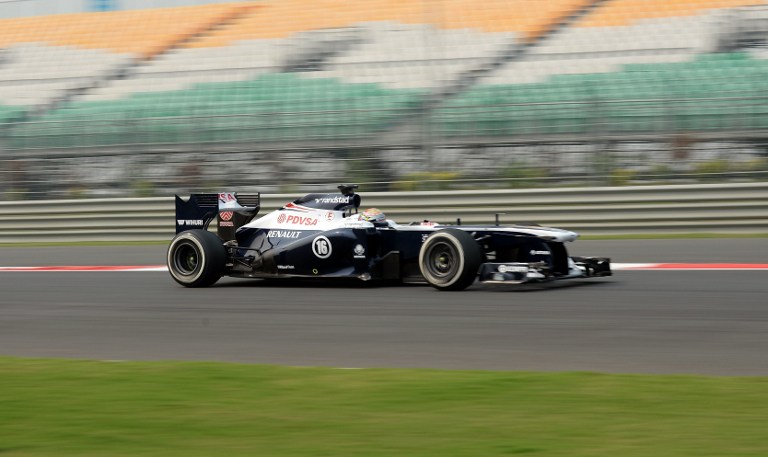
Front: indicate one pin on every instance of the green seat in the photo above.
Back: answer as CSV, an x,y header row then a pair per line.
x,y
712,92
278,106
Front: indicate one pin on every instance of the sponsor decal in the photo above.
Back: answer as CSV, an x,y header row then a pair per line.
x,y
321,247
196,222
226,217
338,199
297,207
534,252
424,237
512,269
296,220
329,216
283,234
286,267
349,223
359,251
226,197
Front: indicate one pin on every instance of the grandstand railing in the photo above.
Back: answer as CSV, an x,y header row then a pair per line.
x,y
718,208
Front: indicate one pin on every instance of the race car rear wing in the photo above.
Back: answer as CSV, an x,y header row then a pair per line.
x,y
230,209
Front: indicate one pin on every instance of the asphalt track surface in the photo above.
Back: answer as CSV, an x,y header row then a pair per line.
x,y
704,322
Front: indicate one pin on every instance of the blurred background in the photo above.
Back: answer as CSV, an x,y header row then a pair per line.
x,y
130,98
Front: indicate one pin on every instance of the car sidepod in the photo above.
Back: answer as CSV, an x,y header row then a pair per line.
x,y
343,252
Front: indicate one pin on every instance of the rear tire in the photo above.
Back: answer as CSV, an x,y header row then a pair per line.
x,y
196,258
449,259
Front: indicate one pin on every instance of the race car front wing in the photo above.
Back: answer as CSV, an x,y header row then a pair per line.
x,y
521,272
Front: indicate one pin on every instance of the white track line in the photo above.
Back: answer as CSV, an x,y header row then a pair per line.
x,y
690,266
84,268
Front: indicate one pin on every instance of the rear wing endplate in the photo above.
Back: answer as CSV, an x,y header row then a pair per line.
x,y
230,209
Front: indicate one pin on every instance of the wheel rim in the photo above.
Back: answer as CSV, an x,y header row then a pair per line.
x,y
441,260
186,259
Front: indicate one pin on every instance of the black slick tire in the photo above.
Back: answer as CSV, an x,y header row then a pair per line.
x,y
196,258
449,259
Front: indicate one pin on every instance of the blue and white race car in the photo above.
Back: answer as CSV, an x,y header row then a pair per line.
x,y
327,236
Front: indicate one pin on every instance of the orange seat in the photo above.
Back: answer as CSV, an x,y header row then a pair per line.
x,y
624,12
137,32
281,18
147,32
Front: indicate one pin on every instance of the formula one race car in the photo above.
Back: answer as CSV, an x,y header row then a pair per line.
x,y
325,236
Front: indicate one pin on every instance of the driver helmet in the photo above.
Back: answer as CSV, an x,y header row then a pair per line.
x,y
373,215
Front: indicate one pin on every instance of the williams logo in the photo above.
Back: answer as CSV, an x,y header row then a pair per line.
x,y
196,222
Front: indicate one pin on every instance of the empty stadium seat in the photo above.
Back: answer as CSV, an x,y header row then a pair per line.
x,y
714,91
626,12
277,106
48,57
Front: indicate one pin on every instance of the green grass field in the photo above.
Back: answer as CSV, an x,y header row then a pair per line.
x,y
89,408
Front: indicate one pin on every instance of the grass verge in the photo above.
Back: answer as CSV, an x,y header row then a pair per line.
x,y
90,408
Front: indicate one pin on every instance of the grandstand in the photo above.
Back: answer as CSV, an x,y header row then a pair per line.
x,y
381,76
628,67
285,70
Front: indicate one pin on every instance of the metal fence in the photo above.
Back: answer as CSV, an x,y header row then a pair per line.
x,y
144,171
715,208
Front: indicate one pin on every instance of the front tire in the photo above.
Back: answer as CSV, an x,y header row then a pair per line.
x,y
196,258
449,259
